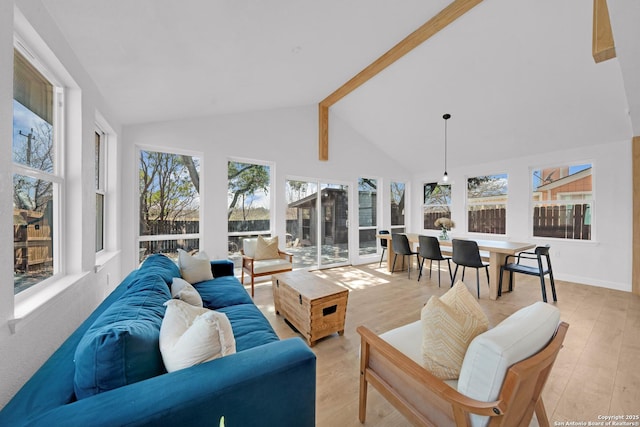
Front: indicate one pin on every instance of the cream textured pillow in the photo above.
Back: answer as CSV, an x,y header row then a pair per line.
x,y
183,290
447,332
191,335
267,248
194,269
462,300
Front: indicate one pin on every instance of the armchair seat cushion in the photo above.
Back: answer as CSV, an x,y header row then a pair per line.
x,y
266,266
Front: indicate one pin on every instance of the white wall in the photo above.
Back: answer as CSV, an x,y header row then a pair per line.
x,y
606,260
286,137
27,341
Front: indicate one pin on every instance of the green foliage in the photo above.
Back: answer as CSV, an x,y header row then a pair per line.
x,y
245,180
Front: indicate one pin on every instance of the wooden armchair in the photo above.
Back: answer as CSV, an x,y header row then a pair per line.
x,y
262,267
428,401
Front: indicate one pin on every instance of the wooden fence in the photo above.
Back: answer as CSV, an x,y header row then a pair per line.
x,y
565,222
490,221
32,241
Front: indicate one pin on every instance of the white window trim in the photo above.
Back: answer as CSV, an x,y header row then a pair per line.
x,y
426,206
158,237
469,204
57,177
378,205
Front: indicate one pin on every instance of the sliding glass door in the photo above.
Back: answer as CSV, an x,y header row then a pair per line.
x,y
317,227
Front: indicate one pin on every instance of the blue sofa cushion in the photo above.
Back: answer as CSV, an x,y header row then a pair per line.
x,y
222,292
122,346
161,265
250,327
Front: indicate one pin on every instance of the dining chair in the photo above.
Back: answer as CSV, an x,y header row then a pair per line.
x,y
533,270
467,254
430,249
383,243
400,245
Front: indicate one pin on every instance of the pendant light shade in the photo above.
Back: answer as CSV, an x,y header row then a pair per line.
x,y
445,176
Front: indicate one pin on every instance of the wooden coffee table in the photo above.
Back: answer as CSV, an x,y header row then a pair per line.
x,y
315,306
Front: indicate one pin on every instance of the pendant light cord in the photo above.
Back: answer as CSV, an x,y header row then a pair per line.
x,y
446,117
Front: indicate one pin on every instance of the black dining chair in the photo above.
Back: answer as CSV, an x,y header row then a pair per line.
x,y
467,254
400,245
383,243
533,270
430,249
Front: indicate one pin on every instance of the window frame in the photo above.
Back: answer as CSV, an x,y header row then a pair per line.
x,y
101,187
271,197
398,228
469,204
426,206
375,214
560,202
162,237
57,175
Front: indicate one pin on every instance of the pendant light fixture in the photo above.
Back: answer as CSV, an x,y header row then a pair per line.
x,y
445,177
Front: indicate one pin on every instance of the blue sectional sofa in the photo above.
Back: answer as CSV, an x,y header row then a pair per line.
x,y
109,372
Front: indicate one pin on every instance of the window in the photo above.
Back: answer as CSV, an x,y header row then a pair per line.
x,y
563,201
249,201
169,188
367,215
397,207
487,204
37,174
437,204
100,188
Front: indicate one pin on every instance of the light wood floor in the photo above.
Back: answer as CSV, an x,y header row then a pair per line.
x,y
596,373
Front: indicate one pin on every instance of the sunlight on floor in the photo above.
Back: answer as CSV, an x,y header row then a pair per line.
x,y
352,277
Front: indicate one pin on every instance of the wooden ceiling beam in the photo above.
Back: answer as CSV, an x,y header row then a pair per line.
x,y
603,44
445,17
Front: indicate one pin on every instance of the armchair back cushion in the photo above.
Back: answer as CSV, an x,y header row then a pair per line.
x,y
249,247
490,354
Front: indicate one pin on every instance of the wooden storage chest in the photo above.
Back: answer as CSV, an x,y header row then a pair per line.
x,y
315,306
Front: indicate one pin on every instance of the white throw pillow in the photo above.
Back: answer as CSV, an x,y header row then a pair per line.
x,y
183,290
194,269
191,335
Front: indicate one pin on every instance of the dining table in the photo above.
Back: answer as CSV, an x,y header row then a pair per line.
x,y
498,251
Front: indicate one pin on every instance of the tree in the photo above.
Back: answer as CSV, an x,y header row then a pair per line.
x,y
33,149
245,180
168,191
486,186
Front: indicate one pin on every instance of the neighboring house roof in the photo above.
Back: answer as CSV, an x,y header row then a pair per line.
x,y
565,180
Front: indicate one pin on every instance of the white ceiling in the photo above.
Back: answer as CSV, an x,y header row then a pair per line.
x,y
517,76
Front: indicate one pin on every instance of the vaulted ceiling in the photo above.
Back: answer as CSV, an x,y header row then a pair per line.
x,y
517,76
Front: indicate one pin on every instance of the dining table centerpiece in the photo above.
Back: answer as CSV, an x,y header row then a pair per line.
x,y
445,225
